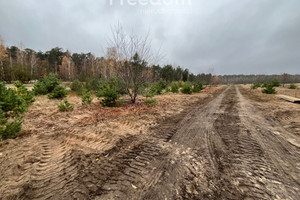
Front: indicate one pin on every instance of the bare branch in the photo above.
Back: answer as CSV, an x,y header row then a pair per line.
x,y
132,55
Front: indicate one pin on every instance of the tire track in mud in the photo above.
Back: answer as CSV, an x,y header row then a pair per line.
x,y
239,157
135,165
282,155
244,163
16,167
123,171
147,168
53,177
91,142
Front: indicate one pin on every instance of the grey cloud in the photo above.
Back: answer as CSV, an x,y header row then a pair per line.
x,y
230,37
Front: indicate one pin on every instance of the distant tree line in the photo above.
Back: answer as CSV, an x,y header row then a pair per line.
x,y
260,78
24,64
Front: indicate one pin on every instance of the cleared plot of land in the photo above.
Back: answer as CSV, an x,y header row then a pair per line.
x,y
46,158
229,144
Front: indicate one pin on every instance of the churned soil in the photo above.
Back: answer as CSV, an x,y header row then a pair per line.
x,y
229,143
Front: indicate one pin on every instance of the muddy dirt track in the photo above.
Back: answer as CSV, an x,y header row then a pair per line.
x,y
223,148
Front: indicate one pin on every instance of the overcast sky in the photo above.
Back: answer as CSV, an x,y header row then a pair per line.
x,y
219,36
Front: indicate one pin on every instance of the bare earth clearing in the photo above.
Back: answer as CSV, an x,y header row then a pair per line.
x,y
234,143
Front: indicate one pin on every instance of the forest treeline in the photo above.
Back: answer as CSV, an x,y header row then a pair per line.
x,y
261,78
24,64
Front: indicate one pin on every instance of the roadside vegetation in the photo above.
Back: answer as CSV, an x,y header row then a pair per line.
x,y
13,103
268,87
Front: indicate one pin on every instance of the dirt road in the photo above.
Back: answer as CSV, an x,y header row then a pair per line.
x,y
224,148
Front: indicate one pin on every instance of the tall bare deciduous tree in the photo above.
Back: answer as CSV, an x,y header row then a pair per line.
x,y
67,67
33,64
21,54
132,55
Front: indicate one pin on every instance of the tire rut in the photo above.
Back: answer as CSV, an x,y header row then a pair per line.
x,y
137,166
238,156
17,164
55,172
281,155
246,169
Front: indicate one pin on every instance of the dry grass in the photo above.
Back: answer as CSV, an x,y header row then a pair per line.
x,y
280,90
94,120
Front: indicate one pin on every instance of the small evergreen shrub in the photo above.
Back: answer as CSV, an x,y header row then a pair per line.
x,y
148,93
10,129
180,84
269,89
46,85
86,98
65,106
255,86
59,92
24,93
174,87
145,87
13,102
18,84
77,87
119,85
92,84
102,87
198,86
158,87
10,101
168,90
150,102
40,88
275,83
155,89
292,86
96,85
264,85
110,95
187,88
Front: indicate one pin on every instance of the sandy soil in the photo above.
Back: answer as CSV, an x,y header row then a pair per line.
x,y
234,143
44,161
